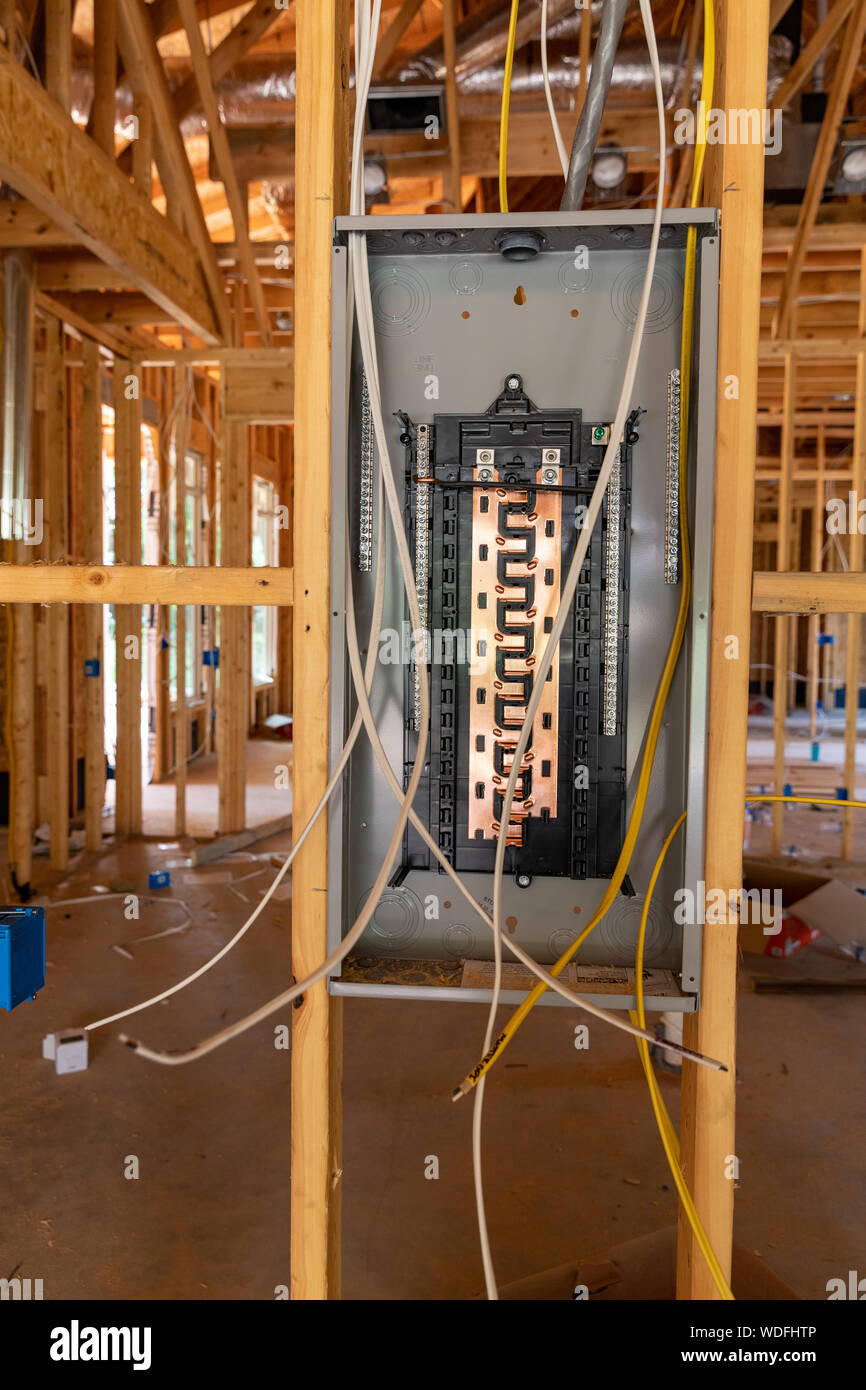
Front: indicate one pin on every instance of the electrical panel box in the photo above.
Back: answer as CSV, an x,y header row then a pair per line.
x,y
501,345
22,954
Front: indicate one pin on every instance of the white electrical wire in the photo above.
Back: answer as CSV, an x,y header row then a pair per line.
x,y
546,660
342,761
548,95
365,711
364,67
366,26
362,685
362,682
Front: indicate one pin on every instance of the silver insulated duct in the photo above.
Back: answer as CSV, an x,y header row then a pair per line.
x,y
17,391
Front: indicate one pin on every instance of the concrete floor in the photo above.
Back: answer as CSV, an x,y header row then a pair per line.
x,y
574,1164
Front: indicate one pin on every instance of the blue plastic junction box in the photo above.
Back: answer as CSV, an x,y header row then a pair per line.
x,y
22,954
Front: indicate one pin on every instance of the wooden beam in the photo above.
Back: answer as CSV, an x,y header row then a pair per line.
x,y
816,558
212,406
181,724
23,733
322,186
735,184
142,148
453,194
834,236
531,146
854,643
259,395
261,358
233,689
798,74
75,185
219,141
781,643
22,225
770,349
147,74
104,74
127,616
226,585
58,50
94,756
778,10
78,271
121,307
116,342
846,66
285,445
7,23
268,152
807,592
390,40
55,547
248,30
162,759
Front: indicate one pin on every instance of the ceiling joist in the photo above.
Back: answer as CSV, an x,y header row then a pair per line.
x,y
219,141
74,185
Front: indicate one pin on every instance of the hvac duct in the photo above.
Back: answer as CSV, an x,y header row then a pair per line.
x,y
17,390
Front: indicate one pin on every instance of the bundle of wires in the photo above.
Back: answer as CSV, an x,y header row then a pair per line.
x,y
359,290
367,20
635,820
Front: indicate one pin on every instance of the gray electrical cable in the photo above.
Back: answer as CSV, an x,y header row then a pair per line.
x,y
361,679
364,70
589,124
336,776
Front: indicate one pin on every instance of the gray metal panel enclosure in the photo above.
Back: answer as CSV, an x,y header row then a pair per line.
x,y
455,316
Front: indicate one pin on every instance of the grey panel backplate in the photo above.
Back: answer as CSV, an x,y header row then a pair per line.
x,y
446,305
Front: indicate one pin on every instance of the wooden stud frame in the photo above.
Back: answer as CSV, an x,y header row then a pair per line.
x,y
735,175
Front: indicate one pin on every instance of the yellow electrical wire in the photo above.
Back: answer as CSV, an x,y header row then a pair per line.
x,y
501,1042
811,800
669,1139
667,1132
503,114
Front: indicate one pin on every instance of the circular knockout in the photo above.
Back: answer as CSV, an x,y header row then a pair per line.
x,y
466,277
458,940
560,941
397,920
401,299
619,930
574,277
665,296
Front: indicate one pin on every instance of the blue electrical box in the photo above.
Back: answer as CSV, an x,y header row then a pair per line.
x,y
22,954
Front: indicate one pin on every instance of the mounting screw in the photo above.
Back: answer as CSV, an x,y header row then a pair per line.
x,y
485,455
548,475
551,456
523,880
485,475
513,383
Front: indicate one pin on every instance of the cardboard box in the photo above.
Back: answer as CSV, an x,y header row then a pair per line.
x,y
813,904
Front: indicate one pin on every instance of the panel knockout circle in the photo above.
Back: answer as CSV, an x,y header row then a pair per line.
x,y
620,928
458,940
397,920
401,299
665,301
